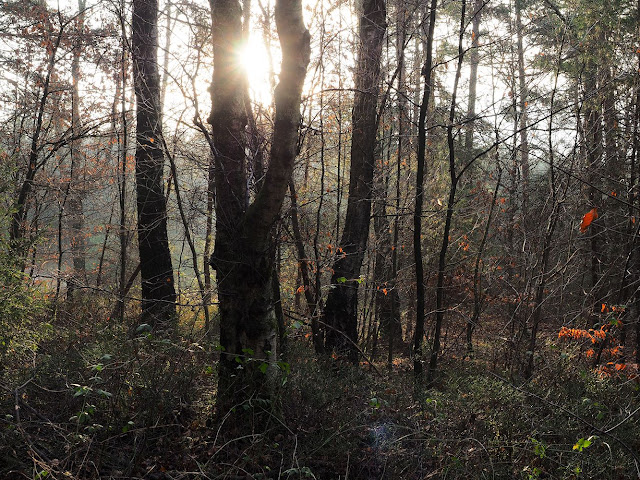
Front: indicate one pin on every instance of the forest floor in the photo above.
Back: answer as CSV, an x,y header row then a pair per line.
x,y
88,401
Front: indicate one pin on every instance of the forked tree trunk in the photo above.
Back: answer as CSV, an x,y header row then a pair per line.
x,y
158,291
342,303
244,254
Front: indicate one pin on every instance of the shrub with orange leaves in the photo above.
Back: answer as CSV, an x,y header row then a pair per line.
x,y
611,369
597,336
578,333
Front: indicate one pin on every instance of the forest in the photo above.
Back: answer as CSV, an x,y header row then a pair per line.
x,y
319,239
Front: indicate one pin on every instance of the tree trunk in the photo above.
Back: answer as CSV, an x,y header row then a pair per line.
x,y
342,303
158,291
386,295
418,357
244,254
473,75
454,178
310,294
18,227
593,140
523,103
76,189
122,147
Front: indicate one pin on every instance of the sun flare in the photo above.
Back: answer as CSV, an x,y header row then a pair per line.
x,y
255,60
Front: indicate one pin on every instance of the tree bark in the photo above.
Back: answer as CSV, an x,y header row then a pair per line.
x,y
310,294
473,75
418,357
523,103
340,313
244,254
158,291
76,189
386,295
593,143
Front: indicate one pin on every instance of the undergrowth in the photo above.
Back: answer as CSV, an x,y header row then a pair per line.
x,y
93,401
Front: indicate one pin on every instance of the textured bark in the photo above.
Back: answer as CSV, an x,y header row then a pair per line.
x,y
158,291
342,303
244,254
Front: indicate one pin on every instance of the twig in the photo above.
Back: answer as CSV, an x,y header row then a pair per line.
x,y
288,313
626,447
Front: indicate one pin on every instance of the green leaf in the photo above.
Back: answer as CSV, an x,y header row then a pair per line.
x,y
341,280
104,393
127,427
144,327
80,390
263,367
583,443
285,367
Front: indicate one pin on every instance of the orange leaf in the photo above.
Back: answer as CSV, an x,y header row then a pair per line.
x,y
384,290
300,289
589,217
